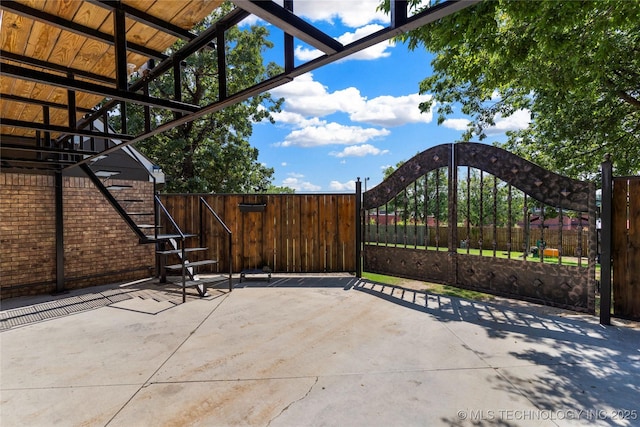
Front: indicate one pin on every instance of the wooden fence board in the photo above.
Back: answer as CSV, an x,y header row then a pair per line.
x,y
269,235
346,227
326,224
619,243
626,247
633,250
294,233
308,212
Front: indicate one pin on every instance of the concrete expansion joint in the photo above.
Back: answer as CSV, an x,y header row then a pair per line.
x,y
294,402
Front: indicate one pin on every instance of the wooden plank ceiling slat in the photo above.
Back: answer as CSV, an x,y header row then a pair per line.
x,y
41,40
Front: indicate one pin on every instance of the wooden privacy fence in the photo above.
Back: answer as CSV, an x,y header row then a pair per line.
x,y
516,239
286,232
626,247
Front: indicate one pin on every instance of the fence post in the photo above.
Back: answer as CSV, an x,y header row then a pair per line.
x,y
452,218
358,228
606,232
59,197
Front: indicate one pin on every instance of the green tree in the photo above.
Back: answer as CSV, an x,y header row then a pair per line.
x,y
213,154
276,189
425,197
574,64
483,199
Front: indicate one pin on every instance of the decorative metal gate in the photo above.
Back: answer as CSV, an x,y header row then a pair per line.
x,y
478,217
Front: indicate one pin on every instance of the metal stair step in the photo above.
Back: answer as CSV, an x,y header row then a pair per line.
x,y
191,264
173,236
164,237
139,213
132,200
106,173
147,226
178,251
119,187
206,281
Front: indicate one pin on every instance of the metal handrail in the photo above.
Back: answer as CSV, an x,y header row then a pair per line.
x,y
204,203
155,186
182,239
173,223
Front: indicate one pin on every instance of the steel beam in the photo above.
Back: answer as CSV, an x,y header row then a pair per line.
x,y
120,39
56,67
149,20
229,20
63,129
398,12
291,24
65,24
31,148
100,90
25,100
38,162
423,18
289,57
222,67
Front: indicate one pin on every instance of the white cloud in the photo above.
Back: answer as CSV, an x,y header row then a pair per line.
x,y
456,124
342,186
518,120
353,14
295,119
380,50
306,54
359,151
306,97
393,110
331,133
296,182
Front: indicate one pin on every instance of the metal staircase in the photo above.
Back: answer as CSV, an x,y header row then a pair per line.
x,y
177,251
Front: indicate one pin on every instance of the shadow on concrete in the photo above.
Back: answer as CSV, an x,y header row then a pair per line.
x,y
580,370
144,296
307,281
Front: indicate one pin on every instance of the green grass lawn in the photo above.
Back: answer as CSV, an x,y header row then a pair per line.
x,y
433,288
506,255
444,290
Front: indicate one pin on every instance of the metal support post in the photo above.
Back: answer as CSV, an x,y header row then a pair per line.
x,y
358,220
605,255
59,234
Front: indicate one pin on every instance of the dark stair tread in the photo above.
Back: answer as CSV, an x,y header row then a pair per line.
x,y
132,200
106,173
139,213
206,281
174,236
147,226
191,264
178,251
164,237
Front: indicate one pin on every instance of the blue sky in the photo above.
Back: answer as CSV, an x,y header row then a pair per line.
x,y
356,117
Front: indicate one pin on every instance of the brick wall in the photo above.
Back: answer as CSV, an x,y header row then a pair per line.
x,y
99,247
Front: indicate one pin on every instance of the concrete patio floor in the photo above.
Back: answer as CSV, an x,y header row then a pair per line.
x,y
309,351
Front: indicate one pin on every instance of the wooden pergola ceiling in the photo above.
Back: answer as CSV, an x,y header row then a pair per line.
x,y
61,59
77,38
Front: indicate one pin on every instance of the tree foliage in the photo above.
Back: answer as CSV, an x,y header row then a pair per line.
x,y
482,199
575,65
213,154
424,198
